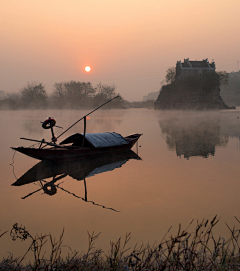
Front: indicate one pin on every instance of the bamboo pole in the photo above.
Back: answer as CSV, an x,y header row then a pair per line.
x,y
85,116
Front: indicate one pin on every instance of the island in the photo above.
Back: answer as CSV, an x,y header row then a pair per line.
x,y
193,85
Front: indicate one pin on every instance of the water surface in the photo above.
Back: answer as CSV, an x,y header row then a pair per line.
x,y
189,170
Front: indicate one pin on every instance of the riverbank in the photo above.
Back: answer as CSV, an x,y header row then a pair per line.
x,y
188,249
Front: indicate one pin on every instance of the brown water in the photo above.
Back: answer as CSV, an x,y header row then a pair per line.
x,y
189,170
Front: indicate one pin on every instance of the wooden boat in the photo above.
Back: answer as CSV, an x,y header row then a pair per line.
x,y
77,146
73,147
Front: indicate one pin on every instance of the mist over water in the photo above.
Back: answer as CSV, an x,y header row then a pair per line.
x,y
189,170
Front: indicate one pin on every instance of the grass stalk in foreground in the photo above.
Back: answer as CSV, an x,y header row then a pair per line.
x,y
186,250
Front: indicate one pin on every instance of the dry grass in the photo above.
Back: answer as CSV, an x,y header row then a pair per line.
x,y
187,250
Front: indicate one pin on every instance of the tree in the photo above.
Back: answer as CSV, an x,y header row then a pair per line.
x,y
170,76
11,101
78,93
73,94
105,93
213,79
58,97
34,96
223,78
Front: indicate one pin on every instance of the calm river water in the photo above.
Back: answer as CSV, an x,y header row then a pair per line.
x,y
189,170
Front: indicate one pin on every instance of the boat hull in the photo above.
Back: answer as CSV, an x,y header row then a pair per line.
x,y
66,154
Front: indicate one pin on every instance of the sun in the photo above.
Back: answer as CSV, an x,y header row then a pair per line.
x,y
87,69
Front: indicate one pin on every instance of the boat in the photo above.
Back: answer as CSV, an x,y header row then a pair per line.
x,y
79,145
95,144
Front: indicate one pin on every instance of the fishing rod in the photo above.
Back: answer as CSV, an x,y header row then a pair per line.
x,y
85,116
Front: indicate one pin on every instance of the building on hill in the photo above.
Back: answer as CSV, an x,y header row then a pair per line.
x,y
197,87
190,68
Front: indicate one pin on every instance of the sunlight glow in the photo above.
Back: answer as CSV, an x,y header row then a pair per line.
x,y
87,69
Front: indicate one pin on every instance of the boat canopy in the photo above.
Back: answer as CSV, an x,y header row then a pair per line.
x,y
96,140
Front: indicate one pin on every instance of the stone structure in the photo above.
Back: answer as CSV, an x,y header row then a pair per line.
x,y
190,68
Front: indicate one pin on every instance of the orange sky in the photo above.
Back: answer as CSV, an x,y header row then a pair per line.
x,y
127,43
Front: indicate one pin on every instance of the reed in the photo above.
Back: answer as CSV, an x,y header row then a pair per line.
x,y
186,250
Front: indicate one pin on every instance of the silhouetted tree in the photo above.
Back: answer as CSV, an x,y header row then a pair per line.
x,y
223,78
11,101
170,76
59,96
213,79
34,96
105,93
73,94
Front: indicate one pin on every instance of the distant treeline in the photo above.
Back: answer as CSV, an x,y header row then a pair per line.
x,y
65,95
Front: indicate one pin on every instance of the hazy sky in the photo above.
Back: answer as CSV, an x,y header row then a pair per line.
x,y
129,43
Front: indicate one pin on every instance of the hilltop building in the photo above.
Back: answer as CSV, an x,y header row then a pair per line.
x,y
190,68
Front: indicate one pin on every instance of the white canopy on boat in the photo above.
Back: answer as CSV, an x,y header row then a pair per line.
x,y
97,140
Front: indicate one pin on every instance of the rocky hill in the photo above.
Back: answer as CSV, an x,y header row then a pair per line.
x,y
193,93
231,92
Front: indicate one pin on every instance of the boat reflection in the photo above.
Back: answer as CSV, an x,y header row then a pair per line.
x,y
193,135
78,170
